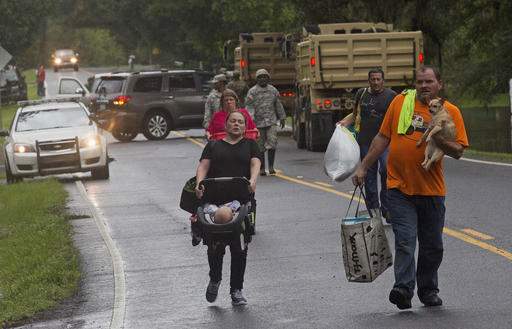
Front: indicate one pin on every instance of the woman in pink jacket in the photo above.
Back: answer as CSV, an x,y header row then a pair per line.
x,y
229,102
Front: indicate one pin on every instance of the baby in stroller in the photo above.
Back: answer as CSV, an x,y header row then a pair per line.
x,y
221,220
223,214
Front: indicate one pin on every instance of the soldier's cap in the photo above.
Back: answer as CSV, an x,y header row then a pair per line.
x,y
262,72
219,78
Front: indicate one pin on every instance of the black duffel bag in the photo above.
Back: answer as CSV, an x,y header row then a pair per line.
x,y
189,201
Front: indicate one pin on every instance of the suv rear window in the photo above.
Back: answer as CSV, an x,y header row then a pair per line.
x,y
148,84
182,81
112,86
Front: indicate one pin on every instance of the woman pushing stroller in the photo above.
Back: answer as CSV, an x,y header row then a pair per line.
x,y
232,156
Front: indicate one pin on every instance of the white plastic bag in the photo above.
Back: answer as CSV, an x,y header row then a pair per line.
x,y
342,154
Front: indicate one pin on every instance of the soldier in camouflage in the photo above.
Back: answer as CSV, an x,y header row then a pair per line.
x,y
212,104
239,87
263,104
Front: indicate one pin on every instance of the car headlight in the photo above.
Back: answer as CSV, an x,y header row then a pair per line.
x,y
24,148
58,60
74,60
93,141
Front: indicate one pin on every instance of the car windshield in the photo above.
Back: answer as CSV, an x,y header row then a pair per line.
x,y
52,118
65,52
111,85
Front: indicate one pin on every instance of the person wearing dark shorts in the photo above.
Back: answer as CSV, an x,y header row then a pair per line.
x,y
233,156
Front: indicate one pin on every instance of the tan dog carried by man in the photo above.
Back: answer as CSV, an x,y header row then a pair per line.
x,y
441,123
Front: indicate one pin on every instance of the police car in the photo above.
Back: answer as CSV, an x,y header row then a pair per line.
x,y
54,136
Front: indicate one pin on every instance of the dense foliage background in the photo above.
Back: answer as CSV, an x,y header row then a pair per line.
x,y
470,40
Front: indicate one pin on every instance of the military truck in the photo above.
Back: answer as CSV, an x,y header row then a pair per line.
x,y
268,51
332,62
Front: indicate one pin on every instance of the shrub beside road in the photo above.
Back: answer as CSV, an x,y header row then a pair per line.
x,y
38,265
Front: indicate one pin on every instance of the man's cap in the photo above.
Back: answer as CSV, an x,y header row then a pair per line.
x,y
262,72
219,78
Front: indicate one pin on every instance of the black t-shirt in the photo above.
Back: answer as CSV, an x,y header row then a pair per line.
x,y
373,109
230,160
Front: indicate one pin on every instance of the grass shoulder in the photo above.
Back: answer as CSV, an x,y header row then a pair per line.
x,y
39,266
499,100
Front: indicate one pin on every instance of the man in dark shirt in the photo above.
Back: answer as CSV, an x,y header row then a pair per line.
x,y
371,106
233,156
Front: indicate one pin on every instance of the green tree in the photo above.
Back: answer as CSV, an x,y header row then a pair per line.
x,y
23,22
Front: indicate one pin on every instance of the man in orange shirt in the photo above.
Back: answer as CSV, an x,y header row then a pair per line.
x,y
415,195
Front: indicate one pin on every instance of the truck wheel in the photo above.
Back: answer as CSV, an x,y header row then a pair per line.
x,y
124,136
310,141
301,136
75,68
102,172
157,125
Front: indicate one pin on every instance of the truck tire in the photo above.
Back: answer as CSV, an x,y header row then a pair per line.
x,y
157,125
298,131
124,136
301,136
311,135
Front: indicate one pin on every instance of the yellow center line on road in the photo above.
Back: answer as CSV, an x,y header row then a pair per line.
x,y
193,140
476,234
318,187
483,245
448,231
323,184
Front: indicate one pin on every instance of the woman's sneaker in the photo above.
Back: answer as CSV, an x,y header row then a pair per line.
x,y
237,298
212,291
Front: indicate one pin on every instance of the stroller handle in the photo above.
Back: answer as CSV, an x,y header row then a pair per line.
x,y
224,179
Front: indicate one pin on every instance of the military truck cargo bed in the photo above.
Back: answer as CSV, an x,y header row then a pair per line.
x,y
263,51
343,60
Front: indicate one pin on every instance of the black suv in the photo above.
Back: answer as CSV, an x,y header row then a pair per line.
x,y
149,102
13,87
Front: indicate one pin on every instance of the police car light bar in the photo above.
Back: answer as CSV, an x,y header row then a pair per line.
x,y
75,99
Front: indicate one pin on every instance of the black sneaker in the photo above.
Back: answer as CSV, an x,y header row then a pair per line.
x,y
271,171
431,299
263,172
212,291
400,298
237,298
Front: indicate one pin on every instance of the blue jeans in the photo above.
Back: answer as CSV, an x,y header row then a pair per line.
x,y
421,218
370,182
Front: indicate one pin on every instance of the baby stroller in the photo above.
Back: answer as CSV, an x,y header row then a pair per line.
x,y
219,191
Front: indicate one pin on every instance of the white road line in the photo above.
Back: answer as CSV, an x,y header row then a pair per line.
x,y
488,162
119,309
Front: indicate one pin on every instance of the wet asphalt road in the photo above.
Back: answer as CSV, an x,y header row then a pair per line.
x,y
294,276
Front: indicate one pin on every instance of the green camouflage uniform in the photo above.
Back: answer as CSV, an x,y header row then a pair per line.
x,y
266,109
211,106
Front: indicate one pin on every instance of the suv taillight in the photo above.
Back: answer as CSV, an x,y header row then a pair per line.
x,y
121,100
